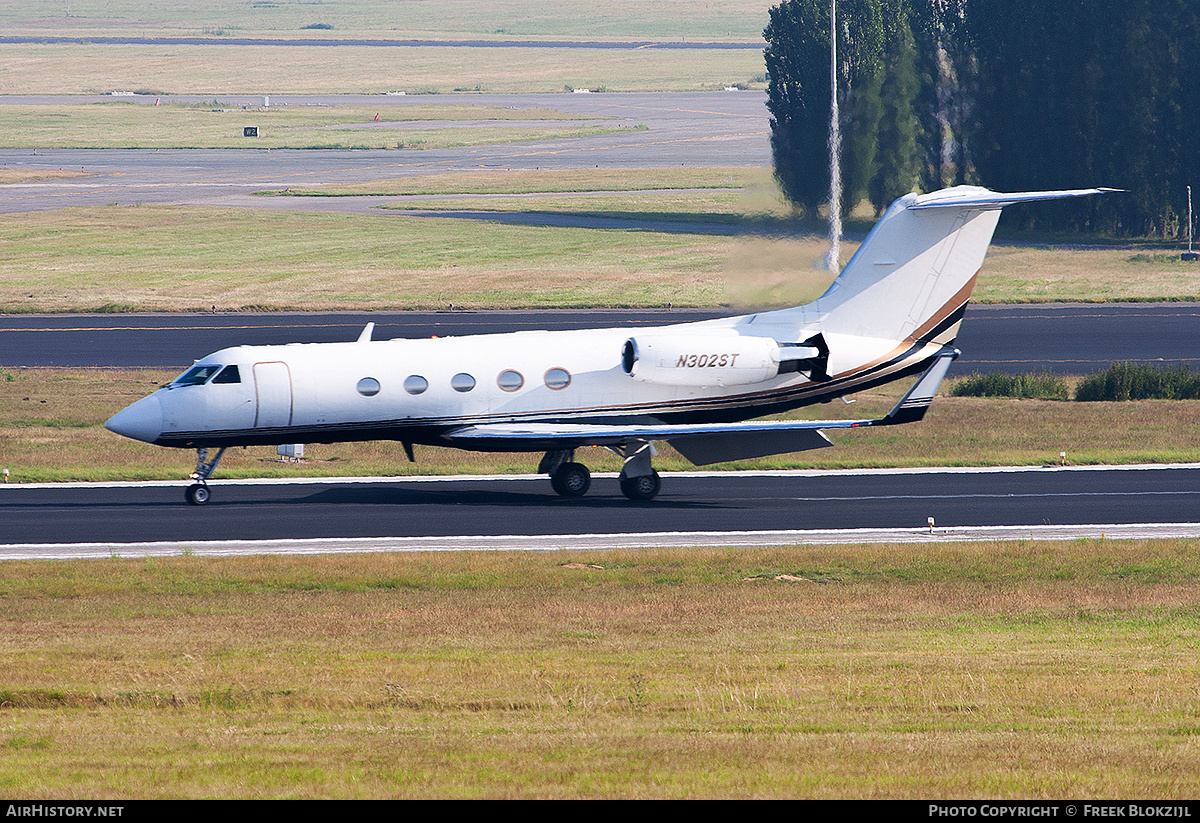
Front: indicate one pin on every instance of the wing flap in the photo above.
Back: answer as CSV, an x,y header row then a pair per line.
x,y
704,449
534,436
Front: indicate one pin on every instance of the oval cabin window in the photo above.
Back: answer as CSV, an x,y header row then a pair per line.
x,y
368,387
510,380
462,382
415,384
558,378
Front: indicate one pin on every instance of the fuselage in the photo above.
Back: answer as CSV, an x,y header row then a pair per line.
x,y
414,390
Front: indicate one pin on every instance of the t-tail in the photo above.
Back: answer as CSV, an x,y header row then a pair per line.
x,y
912,276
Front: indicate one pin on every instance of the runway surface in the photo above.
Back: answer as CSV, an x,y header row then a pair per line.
x,y
1063,338
693,508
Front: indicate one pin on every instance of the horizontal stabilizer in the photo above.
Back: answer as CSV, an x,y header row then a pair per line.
x,y
976,197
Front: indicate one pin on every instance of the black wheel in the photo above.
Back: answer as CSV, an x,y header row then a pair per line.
x,y
643,487
196,494
571,479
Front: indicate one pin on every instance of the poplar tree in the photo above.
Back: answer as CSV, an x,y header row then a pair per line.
x,y
798,95
898,159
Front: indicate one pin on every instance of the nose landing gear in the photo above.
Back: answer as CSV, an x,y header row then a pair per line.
x,y
197,493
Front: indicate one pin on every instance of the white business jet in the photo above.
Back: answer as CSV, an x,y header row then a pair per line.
x,y
893,311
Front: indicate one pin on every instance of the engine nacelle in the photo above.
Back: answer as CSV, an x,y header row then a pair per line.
x,y
701,359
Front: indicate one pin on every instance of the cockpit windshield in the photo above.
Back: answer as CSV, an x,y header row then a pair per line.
x,y
196,375
201,374
229,374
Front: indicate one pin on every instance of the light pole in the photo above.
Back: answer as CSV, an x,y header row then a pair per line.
x,y
1189,255
833,261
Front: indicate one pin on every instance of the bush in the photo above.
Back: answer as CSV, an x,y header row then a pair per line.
x,y
1138,381
1041,386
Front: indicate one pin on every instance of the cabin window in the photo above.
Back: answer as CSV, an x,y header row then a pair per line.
x,y
510,380
197,375
415,384
558,378
462,382
229,374
368,387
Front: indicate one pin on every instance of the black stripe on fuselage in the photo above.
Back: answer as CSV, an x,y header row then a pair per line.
x,y
701,410
429,432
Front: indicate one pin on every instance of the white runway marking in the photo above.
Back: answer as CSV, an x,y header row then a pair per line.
x,y
591,542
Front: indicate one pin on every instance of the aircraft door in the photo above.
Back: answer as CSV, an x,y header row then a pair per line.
x,y
273,390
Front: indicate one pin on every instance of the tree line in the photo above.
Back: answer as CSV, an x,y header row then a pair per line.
x,y
1014,95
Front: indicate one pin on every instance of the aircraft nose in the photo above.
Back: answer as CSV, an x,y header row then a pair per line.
x,y
140,421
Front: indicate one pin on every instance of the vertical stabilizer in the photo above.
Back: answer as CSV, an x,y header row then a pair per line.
x,y
914,273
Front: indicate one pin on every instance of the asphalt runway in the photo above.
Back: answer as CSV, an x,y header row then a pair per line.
x,y
729,503
1062,338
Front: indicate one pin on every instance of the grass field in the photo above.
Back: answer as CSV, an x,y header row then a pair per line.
x,y
170,258
216,69
88,67
193,258
209,126
734,20
1012,670
51,429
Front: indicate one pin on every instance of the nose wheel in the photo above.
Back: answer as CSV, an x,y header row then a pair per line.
x,y
197,493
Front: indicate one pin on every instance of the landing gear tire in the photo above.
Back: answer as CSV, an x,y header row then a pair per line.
x,y
642,487
571,480
196,494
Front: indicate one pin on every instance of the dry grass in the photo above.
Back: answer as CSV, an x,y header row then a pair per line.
x,y
457,19
1018,274
9,176
970,670
543,181
222,69
191,126
51,429
175,258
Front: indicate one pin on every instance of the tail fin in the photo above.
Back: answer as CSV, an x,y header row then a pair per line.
x,y
913,274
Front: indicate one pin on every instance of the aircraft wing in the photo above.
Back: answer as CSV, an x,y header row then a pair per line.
x,y
702,443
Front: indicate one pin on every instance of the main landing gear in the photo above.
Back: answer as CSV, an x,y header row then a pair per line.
x,y
639,480
197,493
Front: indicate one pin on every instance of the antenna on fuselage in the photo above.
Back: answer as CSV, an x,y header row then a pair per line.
x,y
365,337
